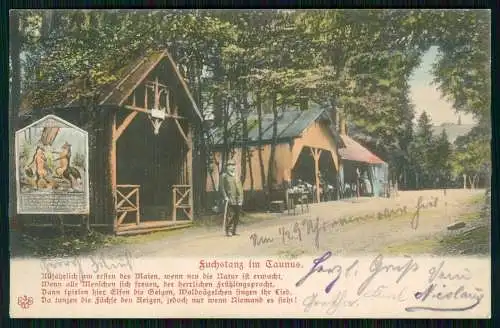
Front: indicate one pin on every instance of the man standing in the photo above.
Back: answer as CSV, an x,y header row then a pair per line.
x,y
232,192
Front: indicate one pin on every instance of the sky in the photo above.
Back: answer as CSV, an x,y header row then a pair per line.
x,y
426,96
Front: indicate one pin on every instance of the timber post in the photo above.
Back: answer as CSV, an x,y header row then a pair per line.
x,y
112,164
174,206
316,153
112,167
189,160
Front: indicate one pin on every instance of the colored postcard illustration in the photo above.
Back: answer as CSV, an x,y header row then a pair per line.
x,y
51,168
250,163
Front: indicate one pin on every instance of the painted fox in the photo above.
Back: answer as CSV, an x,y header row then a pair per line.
x,y
64,169
40,163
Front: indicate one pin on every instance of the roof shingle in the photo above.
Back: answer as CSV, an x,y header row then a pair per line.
x,y
290,124
354,151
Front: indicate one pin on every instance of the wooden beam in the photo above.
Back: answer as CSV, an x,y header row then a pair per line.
x,y
113,152
174,208
190,171
126,198
157,92
183,195
137,231
138,212
186,139
147,111
174,116
138,109
146,73
112,165
136,67
183,83
121,218
167,102
126,122
316,154
154,83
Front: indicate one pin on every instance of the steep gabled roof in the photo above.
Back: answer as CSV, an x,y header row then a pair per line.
x,y
354,151
129,77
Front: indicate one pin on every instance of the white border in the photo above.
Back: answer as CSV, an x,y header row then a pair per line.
x,y
18,186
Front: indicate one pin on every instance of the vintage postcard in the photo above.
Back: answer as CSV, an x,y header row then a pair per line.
x,y
250,163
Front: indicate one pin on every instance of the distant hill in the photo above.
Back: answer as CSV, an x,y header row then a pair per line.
x,y
452,130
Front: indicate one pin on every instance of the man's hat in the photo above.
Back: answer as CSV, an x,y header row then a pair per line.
x,y
231,162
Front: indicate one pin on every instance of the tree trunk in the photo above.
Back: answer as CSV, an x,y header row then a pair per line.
x,y
271,165
342,125
316,153
333,113
250,170
244,146
474,181
225,135
218,108
259,142
333,118
15,99
199,148
47,24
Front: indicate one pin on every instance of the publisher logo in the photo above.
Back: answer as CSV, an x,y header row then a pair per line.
x,y
25,301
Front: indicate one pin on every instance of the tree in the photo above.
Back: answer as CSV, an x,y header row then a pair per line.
x,y
420,152
472,157
441,160
462,71
363,67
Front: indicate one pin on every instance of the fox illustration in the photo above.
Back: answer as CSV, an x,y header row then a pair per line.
x,y
40,163
64,169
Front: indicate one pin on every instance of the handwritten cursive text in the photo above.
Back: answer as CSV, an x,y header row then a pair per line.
x,y
445,294
377,266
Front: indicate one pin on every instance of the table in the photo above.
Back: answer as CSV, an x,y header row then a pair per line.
x,y
297,197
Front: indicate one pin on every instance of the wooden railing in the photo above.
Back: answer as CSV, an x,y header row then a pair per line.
x,y
182,199
124,203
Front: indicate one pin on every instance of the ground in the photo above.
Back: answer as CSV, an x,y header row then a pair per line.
x,y
395,233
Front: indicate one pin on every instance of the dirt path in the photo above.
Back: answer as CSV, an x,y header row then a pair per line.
x,y
362,237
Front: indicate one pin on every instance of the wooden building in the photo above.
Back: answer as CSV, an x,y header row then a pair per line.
x,y
306,145
356,158
140,131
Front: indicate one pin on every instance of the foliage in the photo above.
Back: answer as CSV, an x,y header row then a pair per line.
x,y
430,156
356,63
472,155
420,150
462,71
71,244
441,154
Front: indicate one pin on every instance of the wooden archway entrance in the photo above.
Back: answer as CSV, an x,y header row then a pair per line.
x,y
152,170
314,165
